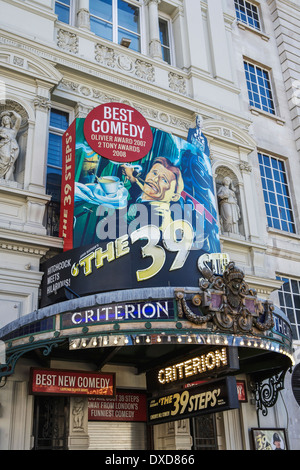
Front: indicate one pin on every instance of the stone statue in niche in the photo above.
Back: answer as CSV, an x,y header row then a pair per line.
x,y
229,208
10,122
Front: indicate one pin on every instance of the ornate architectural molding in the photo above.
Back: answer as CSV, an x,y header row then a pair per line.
x,y
225,303
102,97
245,167
110,57
27,61
177,83
40,102
67,41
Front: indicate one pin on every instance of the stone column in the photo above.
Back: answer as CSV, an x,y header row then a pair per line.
x,y
83,15
219,45
195,34
78,425
38,157
154,43
173,436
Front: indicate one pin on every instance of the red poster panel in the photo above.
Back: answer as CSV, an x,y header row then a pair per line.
x,y
118,132
126,406
67,186
69,382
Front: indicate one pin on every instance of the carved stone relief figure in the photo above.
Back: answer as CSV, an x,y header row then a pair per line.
x,y
78,414
10,122
230,213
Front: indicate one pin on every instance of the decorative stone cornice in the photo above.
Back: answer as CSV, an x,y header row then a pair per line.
x,y
102,97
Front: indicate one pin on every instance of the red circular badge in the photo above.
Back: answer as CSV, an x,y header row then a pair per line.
x,y
118,132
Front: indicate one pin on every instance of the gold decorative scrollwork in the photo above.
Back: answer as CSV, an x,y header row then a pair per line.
x,y
226,302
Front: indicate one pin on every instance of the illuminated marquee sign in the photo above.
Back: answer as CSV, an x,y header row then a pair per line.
x,y
139,311
192,367
211,397
63,382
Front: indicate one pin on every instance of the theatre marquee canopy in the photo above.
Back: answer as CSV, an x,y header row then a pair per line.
x,y
141,328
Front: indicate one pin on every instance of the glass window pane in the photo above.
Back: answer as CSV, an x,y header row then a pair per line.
x,y
59,119
102,9
166,55
295,287
128,16
274,163
54,184
163,32
270,185
296,301
278,188
286,286
272,198
135,40
62,10
274,211
290,314
101,28
55,150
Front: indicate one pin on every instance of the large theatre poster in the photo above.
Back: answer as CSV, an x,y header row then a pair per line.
x,y
140,216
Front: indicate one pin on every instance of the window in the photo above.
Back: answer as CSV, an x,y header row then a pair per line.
x,y
259,88
165,40
204,432
276,193
247,13
117,20
59,122
63,10
289,299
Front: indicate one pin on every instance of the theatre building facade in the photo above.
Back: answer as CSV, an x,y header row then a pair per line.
x,y
149,225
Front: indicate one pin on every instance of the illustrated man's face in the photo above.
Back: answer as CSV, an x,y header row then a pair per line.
x,y
160,184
